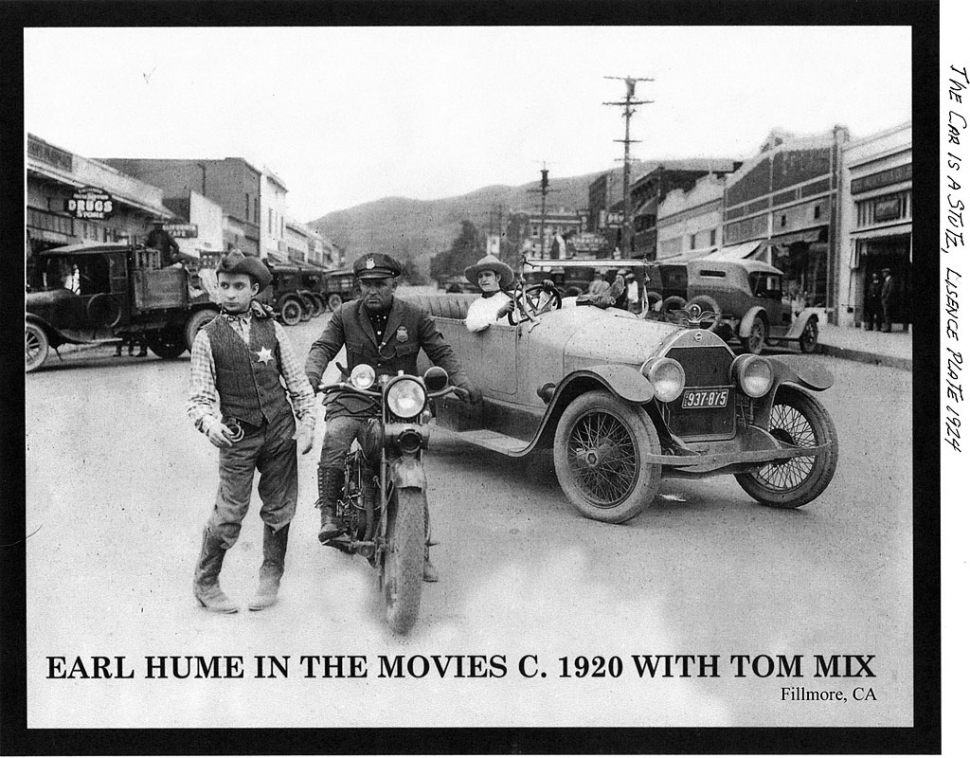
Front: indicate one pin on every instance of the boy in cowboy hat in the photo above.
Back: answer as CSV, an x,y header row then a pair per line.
x,y
386,333
238,402
492,277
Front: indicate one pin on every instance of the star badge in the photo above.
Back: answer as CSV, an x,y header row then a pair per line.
x,y
265,355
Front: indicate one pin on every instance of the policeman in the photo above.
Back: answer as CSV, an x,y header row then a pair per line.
x,y
386,333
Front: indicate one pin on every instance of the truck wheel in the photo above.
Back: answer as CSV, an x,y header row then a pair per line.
x,y
598,453
334,302
36,347
403,566
196,321
291,313
167,343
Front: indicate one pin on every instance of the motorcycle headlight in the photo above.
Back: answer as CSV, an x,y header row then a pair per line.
x,y
406,398
754,374
667,377
362,376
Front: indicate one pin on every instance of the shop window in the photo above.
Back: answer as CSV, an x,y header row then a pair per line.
x,y
783,221
818,211
713,240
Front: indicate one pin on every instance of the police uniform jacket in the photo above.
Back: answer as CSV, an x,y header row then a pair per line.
x,y
409,329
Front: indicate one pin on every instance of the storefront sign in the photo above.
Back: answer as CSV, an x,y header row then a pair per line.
x,y
53,156
882,179
181,231
90,203
614,219
887,209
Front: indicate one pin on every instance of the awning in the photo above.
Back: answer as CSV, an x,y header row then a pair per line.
x,y
738,252
688,255
808,236
896,230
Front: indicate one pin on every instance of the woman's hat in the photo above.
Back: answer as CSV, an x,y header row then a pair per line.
x,y
490,263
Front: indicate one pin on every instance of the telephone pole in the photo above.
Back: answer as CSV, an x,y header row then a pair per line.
x,y
543,190
628,102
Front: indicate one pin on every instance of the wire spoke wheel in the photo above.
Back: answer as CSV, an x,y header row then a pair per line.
x,y
598,453
36,347
798,419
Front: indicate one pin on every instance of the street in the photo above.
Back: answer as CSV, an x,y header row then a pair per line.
x,y
120,484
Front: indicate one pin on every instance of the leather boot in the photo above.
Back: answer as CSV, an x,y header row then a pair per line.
x,y
430,573
330,482
205,584
270,572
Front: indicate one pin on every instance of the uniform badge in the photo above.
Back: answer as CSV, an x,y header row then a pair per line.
x,y
265,355
402,334
369,263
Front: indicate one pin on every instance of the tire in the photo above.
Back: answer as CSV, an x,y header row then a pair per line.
x,y
573,292
808,341
653,301
755,342
104,310
796,417
308,308
167,343
195,322
403,564
671,304
707,304
334,301
291,312
598,452
319,306
36,347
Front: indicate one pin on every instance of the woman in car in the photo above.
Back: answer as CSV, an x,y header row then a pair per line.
x,y
492,277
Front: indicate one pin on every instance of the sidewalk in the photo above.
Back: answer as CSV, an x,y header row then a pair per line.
x,y
893,349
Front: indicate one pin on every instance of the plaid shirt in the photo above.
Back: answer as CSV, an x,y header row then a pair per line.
x,y
203,407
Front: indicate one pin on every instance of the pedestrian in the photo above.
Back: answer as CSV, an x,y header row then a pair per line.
x,y
632,293
890,289
598,287
238,401
386,333
872,304
493,278
132,341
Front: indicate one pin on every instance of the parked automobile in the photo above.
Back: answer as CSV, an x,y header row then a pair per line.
x,y
623,402
287,294
311,280
339,286
81,294
458,284
743,300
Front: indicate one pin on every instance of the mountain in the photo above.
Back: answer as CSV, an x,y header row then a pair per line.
x,y
404,227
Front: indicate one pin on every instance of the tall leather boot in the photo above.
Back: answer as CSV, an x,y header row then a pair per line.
x,y
430,573
271,570
330,481
205,584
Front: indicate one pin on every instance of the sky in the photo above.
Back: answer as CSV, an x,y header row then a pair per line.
x,y
349,115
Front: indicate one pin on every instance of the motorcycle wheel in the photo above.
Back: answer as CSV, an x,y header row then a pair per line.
x,y
401,574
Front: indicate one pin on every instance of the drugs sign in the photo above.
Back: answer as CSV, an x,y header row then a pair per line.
x,y
90,203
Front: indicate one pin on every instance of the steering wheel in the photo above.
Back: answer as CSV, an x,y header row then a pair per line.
x,y
529,301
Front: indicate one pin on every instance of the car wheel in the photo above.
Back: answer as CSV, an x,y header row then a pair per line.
x,y
797,418
573,292
308,307
167,343
710,314
754,343
104,310
334,301
598,454
671,304
653,300
319,306
196,321
808,342
292,312
36,347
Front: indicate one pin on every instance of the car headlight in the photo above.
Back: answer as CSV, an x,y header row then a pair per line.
x,y
667,377
362,376
754,374
406,398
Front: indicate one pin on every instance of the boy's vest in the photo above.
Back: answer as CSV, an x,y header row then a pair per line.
x,y
249,388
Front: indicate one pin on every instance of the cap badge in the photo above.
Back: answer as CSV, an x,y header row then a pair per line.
x,y
369,263
402,334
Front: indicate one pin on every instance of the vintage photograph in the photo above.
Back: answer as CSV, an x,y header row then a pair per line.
x,y
470,376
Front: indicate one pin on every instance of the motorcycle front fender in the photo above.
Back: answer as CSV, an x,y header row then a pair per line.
x,y
408,471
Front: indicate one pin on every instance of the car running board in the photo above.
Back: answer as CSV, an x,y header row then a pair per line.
x,y
500,443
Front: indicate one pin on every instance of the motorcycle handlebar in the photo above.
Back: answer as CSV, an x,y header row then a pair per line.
x,y
325,388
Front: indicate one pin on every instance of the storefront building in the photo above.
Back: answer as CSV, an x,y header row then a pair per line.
x,y
273,237
76,200
785,199
877,213
689,223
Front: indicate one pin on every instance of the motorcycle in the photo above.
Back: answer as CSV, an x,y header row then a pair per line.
x,y
383,507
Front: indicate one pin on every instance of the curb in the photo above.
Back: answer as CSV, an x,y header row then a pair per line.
x,y
862,356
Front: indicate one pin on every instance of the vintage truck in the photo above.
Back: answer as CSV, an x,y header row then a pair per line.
x,y
91,294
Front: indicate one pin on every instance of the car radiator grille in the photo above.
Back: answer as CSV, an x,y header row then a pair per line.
x,y
703,367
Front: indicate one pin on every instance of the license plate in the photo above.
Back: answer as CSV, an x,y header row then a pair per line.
x,y
708,398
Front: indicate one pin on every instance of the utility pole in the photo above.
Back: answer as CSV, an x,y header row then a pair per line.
x,y
628,102
543,190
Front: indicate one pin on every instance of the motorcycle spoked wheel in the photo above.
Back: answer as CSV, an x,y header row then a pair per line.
x,y
402,566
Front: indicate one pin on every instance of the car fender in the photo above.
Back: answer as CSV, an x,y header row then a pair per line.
x,y
799,324
408,471
744,330
625,382
55,336
811,375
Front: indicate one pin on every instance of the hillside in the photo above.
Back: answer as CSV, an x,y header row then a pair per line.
x,y
420,228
